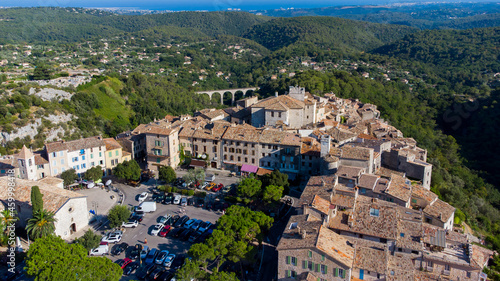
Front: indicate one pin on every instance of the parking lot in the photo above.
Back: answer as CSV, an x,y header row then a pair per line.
x,y
138,235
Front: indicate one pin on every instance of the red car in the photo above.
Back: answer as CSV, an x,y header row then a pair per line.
x,y
165,230
123,263
218,187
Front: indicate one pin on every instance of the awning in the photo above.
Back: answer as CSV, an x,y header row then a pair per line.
x,y
197,163
263,171
249,168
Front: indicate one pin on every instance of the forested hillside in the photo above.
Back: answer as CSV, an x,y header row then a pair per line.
x,y
423,16
327,32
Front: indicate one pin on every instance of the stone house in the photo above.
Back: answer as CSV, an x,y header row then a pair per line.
x,y
113,155
70,208
308,248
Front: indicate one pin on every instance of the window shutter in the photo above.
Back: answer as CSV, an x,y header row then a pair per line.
x,y
326,269
304,264
336,273
317,267
287,273
287,259
343,273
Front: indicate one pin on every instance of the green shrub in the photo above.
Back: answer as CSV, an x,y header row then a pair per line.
x,y
184,192
174,189
168,189
200,194
190,192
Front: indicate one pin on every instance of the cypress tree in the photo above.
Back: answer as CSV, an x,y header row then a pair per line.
x,y
36,199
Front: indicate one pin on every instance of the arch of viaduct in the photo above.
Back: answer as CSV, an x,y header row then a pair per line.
x,y
232,91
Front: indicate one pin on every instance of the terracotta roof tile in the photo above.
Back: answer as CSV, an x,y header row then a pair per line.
x,y
370,259
440,210
283,99
74,145
53,197
111,144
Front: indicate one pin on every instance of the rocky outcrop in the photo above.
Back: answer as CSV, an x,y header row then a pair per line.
x,y
49,94
31,129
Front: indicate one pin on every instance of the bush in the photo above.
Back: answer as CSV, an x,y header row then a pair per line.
x,y
184,192
174,189
231,199
168,189
190,192
161,188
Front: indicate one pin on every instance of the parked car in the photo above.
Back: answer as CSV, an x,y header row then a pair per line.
x,y
130,223
164,231
135,251
209,177
194,236
174,219
123,263
144,252
156,273
189,223
160,258
184,201
165,219
174,232
177,199
166,276
145,270
191,201
136,217
178,261
204,185
112,238
150,258
130,268
200,202
159,198
143,196
226,189
181,221
168,198
156,229
179,233
204,226
210,186
119,248
218,187
196,225
185,234
168,260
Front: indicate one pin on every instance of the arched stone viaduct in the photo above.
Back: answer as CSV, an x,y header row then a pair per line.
x,y
232,91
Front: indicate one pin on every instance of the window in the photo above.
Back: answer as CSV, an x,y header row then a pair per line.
x,y
100,162
84,166
91,156
100,154
225,157
322,257
253,161
55,171
109,154
61,153
324,269
402,234
239,158
83,157
291,260
246,159
92,164
62,161
310,254
279,114
82,151
469,275
414,201
37,166
374,212
77,167
158,160
75,159
447,267
272,113
290,273
54,154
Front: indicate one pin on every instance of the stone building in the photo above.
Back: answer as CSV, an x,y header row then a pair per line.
x,y
70,208
114,154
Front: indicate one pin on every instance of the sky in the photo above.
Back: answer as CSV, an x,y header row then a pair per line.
x,y
211,5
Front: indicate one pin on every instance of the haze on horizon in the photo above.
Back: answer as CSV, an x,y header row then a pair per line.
x,y
210,5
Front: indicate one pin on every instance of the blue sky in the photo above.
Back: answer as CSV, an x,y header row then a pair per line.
x,y
197,4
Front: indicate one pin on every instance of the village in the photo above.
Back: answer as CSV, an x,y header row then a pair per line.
x,y
363,211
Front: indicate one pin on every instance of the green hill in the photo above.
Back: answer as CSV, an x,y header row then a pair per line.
x,y
328,32
74,24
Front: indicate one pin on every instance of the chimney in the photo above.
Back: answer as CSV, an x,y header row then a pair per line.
x,y
304,234
298,229
276,93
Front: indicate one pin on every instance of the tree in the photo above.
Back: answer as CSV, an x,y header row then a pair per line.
x,y
69,176
36,200
195,175
94,174
41,225
50,258
167,174
117,215
223,276
272,193
249,187
89,240
41,72
276,178
128,170
190,270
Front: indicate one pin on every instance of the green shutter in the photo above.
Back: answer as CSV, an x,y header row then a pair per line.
x,y
336,273
287,273
317,267
326,269
343,273
287,259
322,257
304,264
310,254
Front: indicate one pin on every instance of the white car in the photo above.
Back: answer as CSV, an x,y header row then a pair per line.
x,y
205,184
112,238
156,229
143,196
99,251
132,223
177,199
168,260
